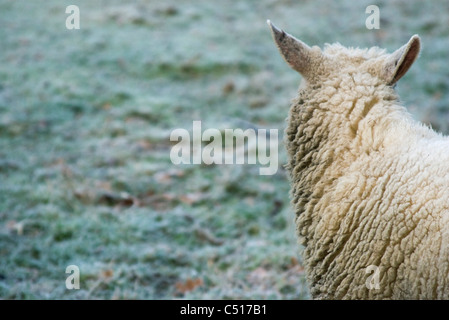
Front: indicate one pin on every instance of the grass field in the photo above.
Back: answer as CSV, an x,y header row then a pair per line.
x,y
85,120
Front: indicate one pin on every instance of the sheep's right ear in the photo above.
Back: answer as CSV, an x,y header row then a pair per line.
x,y
295,52
401,60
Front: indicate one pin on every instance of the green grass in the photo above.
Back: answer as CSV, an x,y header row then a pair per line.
x,y
85,121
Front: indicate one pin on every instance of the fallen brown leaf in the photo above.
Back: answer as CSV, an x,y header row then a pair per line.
x,y
106,274
206,235
191,198
188,285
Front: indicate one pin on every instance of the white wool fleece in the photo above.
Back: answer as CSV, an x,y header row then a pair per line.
x,y
369,185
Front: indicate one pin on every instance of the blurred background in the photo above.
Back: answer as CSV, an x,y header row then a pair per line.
x,y
85,120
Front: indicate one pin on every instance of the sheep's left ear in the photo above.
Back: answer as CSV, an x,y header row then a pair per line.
x,y
401,60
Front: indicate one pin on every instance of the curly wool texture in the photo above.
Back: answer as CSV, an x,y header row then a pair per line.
x,y
369,184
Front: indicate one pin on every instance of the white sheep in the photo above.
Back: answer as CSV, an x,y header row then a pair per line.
x,y
369,185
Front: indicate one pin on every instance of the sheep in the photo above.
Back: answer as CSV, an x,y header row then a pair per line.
x,y
369,184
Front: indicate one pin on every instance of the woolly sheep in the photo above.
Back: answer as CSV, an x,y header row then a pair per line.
x,y
369,185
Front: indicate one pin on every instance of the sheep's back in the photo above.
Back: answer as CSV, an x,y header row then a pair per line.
x,y
389,211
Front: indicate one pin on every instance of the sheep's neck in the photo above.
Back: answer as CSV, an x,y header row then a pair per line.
x,y
326,134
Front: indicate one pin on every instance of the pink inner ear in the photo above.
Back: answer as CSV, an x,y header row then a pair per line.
x,y
410,56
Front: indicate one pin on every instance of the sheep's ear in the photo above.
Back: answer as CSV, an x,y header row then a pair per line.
x,y
401,60
295,52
